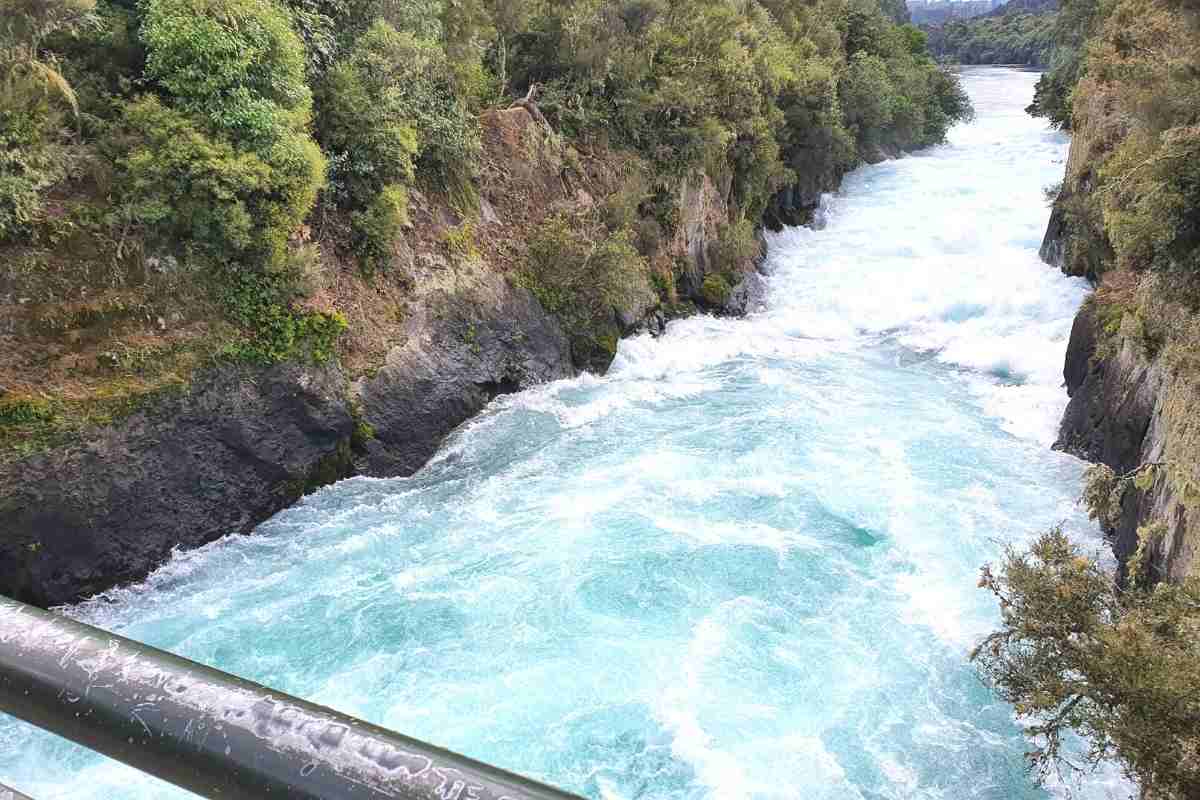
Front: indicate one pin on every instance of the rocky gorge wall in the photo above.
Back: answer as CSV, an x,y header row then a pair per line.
x,y
1132,377
452,327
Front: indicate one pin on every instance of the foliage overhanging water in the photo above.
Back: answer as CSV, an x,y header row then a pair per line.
x,y
742,565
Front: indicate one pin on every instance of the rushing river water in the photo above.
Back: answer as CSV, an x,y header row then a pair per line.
x,y
742,565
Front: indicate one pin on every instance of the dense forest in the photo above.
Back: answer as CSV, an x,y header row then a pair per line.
x,y
1019,32
216,162
1120,663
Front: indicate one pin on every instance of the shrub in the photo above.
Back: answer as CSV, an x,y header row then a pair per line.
x,y
182,185
1120,668
33,157
715,290
365,123
867,97
33,96
392,84
1102,495
272,329
735,245
583,274
1153,209
229,166
376,228
24,410
235,63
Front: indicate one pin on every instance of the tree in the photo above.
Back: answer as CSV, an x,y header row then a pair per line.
x,y
239,68
236,63
1119,667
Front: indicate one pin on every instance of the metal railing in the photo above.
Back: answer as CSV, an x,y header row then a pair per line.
x,y
215,734
11,794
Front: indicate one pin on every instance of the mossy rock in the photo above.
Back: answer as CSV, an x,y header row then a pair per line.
x,y
715,291
24,410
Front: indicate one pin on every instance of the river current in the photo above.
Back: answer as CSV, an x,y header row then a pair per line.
x,y
741,565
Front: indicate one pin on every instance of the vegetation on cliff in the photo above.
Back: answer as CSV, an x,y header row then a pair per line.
x,y
1118,662
1121,667
187,179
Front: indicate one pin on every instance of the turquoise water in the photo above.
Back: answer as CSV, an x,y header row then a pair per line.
x,y
742,565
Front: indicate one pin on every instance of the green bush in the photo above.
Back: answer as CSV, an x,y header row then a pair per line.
x,y
33,157
376,228
365,123
24,411
272,328
868,97
184,186
583,274
34,96
237,64
229,165
392,84
715,290
1119,667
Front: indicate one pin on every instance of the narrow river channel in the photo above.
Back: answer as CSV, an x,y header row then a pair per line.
x,y
742,565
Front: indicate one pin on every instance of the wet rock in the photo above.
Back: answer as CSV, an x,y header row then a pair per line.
x,y
465,348
748,296
239,446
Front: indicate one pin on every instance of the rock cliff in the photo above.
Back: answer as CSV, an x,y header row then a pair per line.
x,y
1134,386
450,327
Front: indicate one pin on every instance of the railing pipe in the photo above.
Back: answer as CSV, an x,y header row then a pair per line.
x,y
11,794
215,734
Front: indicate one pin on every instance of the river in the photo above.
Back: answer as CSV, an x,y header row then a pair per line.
x,y
741,565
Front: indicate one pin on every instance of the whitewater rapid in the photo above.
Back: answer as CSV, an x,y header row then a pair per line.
x,y
741,565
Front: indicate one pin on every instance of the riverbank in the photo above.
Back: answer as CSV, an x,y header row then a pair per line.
x,y
742,564
222,447
251,248
1124,217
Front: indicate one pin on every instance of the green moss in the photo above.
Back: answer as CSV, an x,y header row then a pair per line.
x,y
24,411
715,290
29,426
272,329
460,241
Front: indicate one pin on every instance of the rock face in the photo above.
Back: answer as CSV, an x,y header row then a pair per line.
x,y
1072,242
1129,406
1126,411
464,348
1113,399
748,296
238,447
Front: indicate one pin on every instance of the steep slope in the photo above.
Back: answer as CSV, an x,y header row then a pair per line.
x,y
1126,217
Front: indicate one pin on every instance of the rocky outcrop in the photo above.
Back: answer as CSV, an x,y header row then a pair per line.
x,y
464,346
239,446
797,203
1128,410
1075,241
243,443
1113,398
748,296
